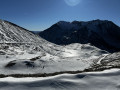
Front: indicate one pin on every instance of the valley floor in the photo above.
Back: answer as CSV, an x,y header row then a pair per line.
x,y
104,80
48,59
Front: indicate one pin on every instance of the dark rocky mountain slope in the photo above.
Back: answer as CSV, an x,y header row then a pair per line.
x,y
103,34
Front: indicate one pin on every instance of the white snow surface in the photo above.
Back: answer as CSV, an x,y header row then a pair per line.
x,y
51,59
104,80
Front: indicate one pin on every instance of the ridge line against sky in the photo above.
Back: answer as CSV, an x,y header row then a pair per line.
x,y
41,14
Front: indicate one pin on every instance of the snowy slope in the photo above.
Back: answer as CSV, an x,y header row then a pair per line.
x,y
105,80
49,59
10,32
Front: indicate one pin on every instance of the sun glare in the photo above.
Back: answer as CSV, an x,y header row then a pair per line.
x,y
72,2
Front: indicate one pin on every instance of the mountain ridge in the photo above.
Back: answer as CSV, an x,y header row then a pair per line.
x,y
82,32
10,32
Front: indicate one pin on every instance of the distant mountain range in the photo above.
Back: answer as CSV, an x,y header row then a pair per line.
x,y
103,34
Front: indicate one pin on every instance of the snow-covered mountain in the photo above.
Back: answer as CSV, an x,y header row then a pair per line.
x,y
100,33
22,52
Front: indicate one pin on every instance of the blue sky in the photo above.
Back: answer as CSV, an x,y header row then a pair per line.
x,y
38,15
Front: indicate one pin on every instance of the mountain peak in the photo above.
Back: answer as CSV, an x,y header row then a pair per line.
x,y
65,25
62,23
